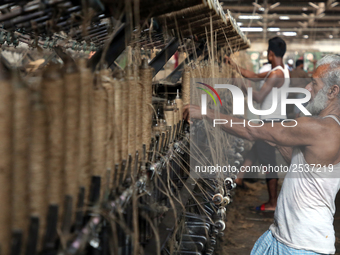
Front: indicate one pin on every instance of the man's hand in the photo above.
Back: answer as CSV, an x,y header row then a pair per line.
x,y
194,110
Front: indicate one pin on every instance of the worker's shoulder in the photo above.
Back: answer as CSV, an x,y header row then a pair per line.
x,y
318,124
276,73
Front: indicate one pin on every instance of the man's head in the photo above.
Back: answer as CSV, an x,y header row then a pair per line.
x,y
276,48
325,85
299,63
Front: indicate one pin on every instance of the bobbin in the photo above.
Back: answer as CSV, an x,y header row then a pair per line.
x,y
226,200
217,199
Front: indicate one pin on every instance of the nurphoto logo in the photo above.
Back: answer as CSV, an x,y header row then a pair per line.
x,y
238,99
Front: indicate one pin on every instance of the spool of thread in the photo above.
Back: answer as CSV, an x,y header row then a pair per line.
x,y
186,86
71,130
38,168
125,118
99,128
6,113
107,82
53,99
146,80
175,113
179,103
139,113
132,114
118,101
20,155
84,162
169,115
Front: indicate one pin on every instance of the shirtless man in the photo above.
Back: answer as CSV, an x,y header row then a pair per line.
x,y
303,220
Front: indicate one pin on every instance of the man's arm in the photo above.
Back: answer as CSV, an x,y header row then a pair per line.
x,y
286,153
305,133
247,73
275,79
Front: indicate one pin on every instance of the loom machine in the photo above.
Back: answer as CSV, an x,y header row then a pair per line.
x,y
95,155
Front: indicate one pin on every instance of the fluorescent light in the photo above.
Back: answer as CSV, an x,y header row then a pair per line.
x,y
261,9
284,18
273,29
249,17
239,23
251,29
304,9
289,33
330,36
305,36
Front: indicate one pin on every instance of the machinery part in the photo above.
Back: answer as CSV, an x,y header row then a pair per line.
x,y
217,199
166,226
195,238
219,190
191,246
221,213
162,57
116,47
199,229
176,74
226,200
229,183
220,225
187,253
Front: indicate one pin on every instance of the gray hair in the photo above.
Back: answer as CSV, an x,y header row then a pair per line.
x,y
331,75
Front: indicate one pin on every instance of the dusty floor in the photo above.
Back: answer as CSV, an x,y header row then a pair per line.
x,y
245,226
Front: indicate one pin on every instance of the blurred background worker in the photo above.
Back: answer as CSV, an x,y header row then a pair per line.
x,y
298,79
276,77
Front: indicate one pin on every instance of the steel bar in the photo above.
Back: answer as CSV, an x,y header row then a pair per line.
x,y
164,55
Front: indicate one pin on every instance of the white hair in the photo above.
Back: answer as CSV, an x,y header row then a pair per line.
x,y
331,76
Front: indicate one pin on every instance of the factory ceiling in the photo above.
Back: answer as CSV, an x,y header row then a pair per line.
x,y
302,20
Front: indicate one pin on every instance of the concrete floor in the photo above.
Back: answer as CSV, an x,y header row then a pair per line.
x,y
245,226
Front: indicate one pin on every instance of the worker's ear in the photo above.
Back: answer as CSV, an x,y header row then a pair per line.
x,y
270,54
333,92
